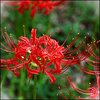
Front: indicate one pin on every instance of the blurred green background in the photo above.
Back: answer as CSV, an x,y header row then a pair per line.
x,y
74,17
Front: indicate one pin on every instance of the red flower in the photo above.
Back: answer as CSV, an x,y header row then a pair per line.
x,y
88,56
92,91
46,6
44,55
43,52
35,55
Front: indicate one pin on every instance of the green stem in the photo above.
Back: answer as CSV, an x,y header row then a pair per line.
x,y
3,77
34,89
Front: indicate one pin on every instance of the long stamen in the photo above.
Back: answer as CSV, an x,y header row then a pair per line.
x,y
77,89
65,69
95,43
19,66
5,47
93,63
70,92
76,49
10,41
66,39
72,43
6,40
88,72
83,55
3,67
93,54
6,50
69,62
95,66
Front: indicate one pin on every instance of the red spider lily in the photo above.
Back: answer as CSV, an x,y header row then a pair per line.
x,y
36,54
44,55
43,51
92,91
89,57
10,47
46,6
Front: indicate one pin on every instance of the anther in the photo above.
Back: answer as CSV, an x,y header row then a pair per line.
x,y
98,41
59,87
29,51
87,33
22,57
10,34
85,37
78,33
5,28
67,45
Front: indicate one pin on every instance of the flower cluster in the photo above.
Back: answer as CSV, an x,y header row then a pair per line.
x,y
46,6
36,54
45,55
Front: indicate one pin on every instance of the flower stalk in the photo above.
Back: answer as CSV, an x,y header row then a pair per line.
x,y
34,87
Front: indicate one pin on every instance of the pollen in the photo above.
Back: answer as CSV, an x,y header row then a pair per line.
x,y
29,51
59,87
34,64
22,57
78,33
